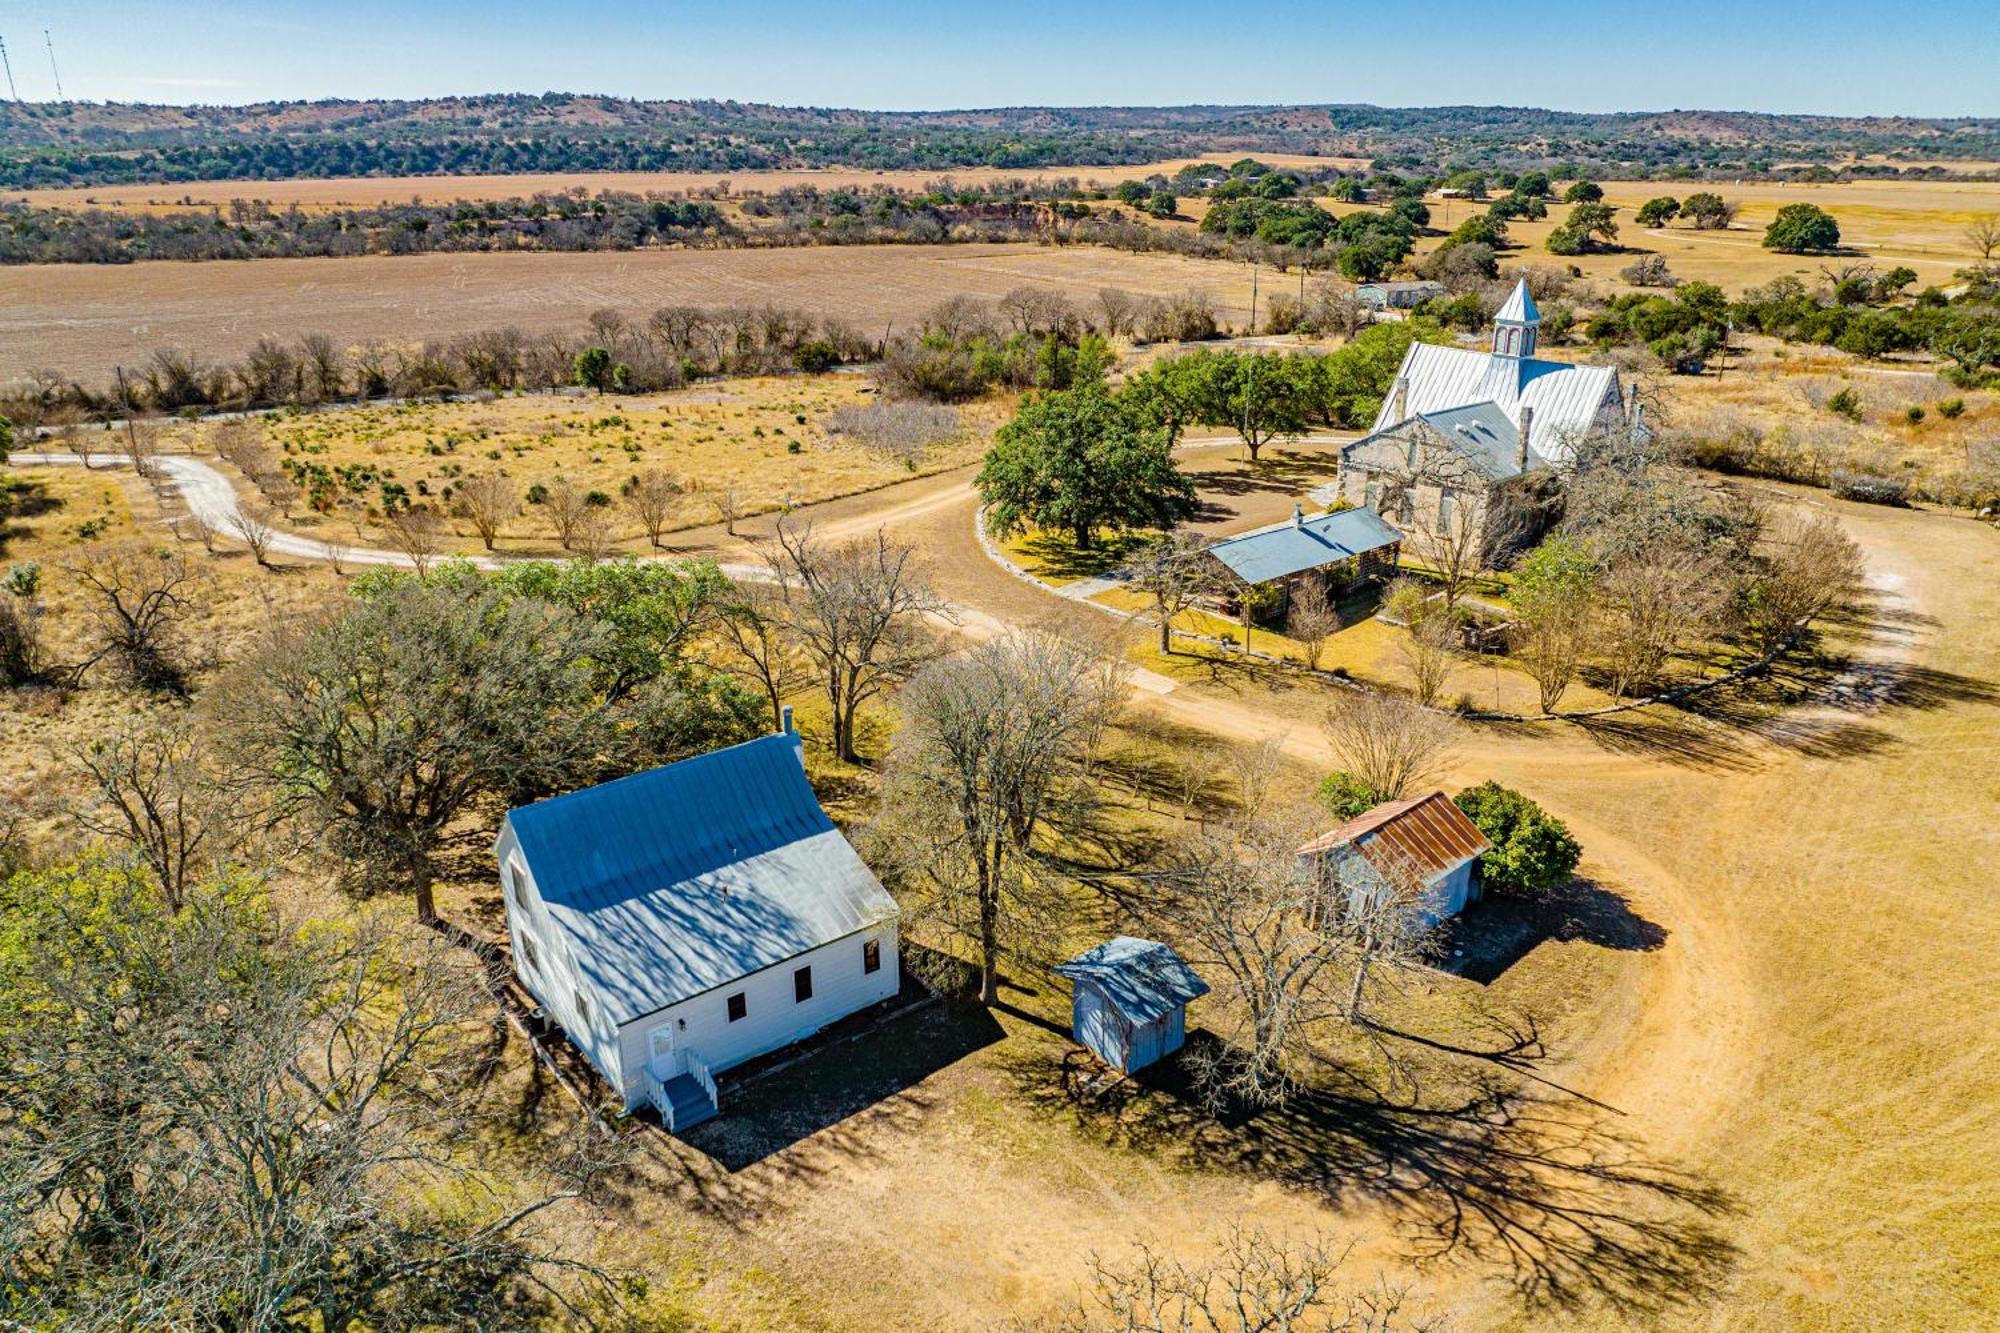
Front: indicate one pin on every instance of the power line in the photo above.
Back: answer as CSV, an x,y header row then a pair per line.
x,y
10,70
50,43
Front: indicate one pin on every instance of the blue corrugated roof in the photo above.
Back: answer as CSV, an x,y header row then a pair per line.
x,y
1143,978
1292,547
683,878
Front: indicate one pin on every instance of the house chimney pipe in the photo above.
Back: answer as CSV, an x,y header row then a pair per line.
x,y
1527,424
785,719
1298,514
1399,404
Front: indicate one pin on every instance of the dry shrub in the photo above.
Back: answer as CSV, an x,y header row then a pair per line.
x,y
898,430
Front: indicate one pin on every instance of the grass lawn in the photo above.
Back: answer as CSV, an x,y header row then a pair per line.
x,y
1056,559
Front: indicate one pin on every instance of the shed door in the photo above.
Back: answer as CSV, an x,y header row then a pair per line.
x,y
665,1061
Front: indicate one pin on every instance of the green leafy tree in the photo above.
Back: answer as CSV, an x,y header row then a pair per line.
x,y
1555,590
1533,851
594,368
1583,192
1588,225
1162,205
1970,337
1347,796
1080,460
1658,212
1802,229
6,438
1707,210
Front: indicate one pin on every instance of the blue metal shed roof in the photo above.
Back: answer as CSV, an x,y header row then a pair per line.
x,y
1142,978
680,879
1293,546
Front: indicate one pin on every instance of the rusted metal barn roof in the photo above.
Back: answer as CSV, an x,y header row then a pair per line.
x,y
1427,833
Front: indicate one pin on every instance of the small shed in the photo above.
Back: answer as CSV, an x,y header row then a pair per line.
x,y
1426,839
1130,1001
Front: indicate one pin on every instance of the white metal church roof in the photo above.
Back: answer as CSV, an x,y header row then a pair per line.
x,y
1520,307
1565,398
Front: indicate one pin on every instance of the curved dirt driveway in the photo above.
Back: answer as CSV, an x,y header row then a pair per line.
x,y
1816,1033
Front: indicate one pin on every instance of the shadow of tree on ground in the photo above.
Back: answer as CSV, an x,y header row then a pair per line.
x,y
1539,1184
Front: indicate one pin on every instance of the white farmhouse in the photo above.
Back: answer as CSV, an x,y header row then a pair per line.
x,y
683,920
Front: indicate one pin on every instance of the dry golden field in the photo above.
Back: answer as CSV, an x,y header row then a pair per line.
x,y
756,445
85,319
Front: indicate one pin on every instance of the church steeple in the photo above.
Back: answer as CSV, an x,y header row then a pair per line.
x,y
1518,325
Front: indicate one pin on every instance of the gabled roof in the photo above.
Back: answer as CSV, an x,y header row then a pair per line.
x,y
680,879
1519,307
1482,433
1294,546
1565,398
1427,834
1142,978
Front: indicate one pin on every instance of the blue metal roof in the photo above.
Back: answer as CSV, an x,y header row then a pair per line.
x,y
1484,435
1297,545
680,879
1142,978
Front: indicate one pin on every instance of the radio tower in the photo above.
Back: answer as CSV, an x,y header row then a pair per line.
x,y
52,65
10,70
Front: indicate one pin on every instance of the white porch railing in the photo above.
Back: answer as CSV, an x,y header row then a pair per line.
x,y
697,1069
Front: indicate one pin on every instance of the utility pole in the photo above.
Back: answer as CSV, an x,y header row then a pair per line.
x,y
1253,298
125,401
50,43
10,70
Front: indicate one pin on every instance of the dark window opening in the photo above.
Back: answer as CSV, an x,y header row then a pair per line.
x,y
582,1007
528,954
871,956
738,1006
802,985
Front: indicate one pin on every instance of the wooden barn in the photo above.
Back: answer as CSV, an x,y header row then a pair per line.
x,y
1426,841
1130,1000
683,920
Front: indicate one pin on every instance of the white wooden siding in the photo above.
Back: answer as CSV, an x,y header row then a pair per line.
x,y
554,980
775,1019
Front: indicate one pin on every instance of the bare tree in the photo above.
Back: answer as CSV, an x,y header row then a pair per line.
x,y
304,1094
1119,308
336,552
1177,572
1312,618
1811,567
1391,744
490,499
997,752
1372,904
752,626
1256,765
197,524
1429,642
565,504
1437,496
140,598
653,497
142,446
595,535
419,534
1984,236
728,508
856,609
1654,605
257,526
152,792
1243,905
1254,1284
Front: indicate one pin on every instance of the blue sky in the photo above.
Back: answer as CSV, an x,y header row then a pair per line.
x,y
1837,56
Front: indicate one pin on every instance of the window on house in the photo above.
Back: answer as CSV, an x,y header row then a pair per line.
x,y
582,1007
1406,510
529,955
1445,499
871,956
802,985
516,887
1410,454
1370,495
739,1006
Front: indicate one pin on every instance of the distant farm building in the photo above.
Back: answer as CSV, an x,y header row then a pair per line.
x,y
1396,295
683,920
1425,846
1130,1001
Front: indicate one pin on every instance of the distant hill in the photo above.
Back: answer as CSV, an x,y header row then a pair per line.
x,y
74,143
